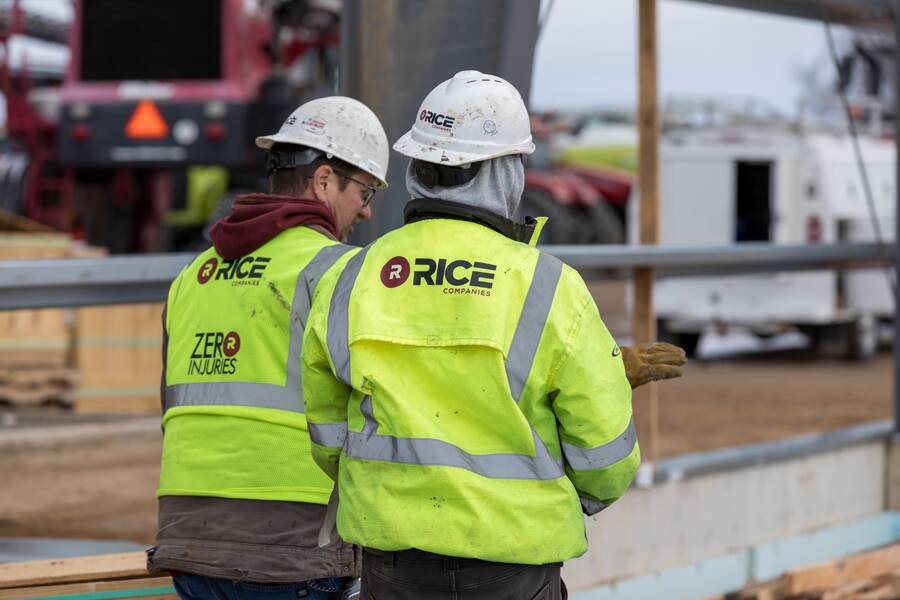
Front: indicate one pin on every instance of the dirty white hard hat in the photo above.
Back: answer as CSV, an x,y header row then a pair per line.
x,y
340,127
468,118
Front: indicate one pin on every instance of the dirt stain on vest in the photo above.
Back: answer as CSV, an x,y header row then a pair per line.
x,y
281,299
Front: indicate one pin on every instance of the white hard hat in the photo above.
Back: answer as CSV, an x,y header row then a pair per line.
x,y
468,118
338,126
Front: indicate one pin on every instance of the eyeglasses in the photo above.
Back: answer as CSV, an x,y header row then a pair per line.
x,y
369,189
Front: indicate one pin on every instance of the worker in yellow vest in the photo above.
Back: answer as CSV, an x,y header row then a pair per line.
x,y
461,387
241,502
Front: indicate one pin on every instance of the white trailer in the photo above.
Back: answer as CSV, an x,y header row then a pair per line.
x,y
773,185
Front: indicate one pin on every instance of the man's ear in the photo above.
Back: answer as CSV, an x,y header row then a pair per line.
x,y
321,175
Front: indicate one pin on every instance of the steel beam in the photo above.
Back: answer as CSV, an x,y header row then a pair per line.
x,y
394,52
865,13
739,259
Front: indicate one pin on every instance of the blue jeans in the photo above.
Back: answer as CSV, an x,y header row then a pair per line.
x,y
198,587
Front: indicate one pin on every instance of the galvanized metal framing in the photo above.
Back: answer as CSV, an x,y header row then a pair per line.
x,y
729,459
133,279
618,261
88,281
847,12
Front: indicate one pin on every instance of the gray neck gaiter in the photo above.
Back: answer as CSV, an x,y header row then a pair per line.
x,y
498,187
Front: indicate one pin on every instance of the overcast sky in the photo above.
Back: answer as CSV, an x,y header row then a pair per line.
x,y
587,55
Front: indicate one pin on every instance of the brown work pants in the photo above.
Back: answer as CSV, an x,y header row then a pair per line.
x,y
417,575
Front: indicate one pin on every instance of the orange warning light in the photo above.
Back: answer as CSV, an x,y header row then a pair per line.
x,y
146,122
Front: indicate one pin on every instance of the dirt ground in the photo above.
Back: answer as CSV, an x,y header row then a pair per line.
x,y
105,490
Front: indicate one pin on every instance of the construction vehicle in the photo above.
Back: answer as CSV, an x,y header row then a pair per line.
x,y
585,203
740,172
152,91
776,184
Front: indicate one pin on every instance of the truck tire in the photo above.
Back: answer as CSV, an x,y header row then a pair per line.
x,y
689,342
560,226
686,340
861,338
13,169
603,225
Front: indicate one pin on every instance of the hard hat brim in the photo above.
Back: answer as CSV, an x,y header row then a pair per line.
x,y
433,153
267,141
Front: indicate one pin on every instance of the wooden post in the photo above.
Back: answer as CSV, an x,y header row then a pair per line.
x,y
645,398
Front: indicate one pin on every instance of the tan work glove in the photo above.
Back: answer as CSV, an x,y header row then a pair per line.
x,y
652,362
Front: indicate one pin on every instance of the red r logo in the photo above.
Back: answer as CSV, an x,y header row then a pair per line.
x,y
395,272
206,270
231,344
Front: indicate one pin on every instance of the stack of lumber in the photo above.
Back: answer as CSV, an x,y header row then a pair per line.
x,y
870,576
97,359
109,577
32,385
35,345
119,354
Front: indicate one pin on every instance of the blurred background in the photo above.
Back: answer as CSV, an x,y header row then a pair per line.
x,y
127,127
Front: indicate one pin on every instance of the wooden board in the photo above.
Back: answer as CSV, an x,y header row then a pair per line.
x,y
119,352
152,588
35,386
123,565
843,572
34,337
645,399
10,221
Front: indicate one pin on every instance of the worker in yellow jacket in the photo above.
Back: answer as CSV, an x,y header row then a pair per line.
x,y
241,502
460,385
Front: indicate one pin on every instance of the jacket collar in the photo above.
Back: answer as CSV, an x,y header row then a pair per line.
x,y
421,209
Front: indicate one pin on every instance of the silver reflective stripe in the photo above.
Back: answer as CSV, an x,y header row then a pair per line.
x,y
329,435
588,459
531,322
369,445
303,295
339,318
264,395
238,393
591,506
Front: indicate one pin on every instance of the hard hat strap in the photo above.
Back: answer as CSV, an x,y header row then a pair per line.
x,y
432,175
277,160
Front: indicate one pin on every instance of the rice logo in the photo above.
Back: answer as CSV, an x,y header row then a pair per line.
x,y
247,270
215,353
395,272
437,120
455,277
207,270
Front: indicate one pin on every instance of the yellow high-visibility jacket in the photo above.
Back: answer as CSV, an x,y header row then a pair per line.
x,y
463,391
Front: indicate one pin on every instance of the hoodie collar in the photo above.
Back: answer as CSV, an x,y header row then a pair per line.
x,y
257,218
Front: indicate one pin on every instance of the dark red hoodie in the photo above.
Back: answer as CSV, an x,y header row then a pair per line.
x,y
257,218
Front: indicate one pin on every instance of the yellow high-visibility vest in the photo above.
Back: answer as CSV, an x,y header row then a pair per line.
x,y
235,423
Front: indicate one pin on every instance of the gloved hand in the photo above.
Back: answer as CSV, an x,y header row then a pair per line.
x,y
652,362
